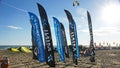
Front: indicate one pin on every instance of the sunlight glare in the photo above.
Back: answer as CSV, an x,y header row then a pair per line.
x,y
111,13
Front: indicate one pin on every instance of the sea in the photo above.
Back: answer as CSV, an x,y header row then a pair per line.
x,y
4,47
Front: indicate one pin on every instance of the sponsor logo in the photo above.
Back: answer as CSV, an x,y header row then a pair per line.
x,y
44,22
48,44
50,58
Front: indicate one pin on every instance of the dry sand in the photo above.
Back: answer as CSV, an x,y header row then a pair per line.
x,y
104,59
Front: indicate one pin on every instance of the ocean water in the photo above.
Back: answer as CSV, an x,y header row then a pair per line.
x,y
3,47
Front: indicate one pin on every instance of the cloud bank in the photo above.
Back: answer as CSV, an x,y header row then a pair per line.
x,y
103,31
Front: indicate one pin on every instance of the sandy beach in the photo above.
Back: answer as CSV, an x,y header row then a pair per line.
x,y
104,59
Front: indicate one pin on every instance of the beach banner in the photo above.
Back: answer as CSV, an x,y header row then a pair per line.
x,y
73,37
92,58
34,46
37,37
47,37
66,49
59,39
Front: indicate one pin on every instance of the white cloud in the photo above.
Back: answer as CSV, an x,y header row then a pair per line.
x,y
103,31
14,27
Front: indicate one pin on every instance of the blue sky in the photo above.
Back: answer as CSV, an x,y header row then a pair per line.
x,y
15,25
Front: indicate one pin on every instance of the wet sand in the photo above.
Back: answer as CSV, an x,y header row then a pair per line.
x,y
104,59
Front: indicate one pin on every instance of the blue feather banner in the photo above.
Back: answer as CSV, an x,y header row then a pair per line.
x,y
59,39
37,36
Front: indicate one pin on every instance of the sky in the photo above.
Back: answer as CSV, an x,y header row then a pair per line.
x,y
15,28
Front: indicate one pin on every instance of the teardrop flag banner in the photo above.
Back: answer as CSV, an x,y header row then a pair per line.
x,y
59,39
34,46
66,49
37,37
73,37
47,37
92,58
